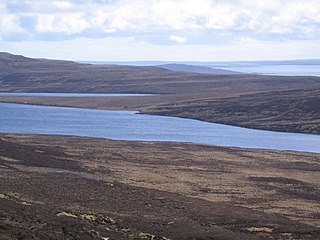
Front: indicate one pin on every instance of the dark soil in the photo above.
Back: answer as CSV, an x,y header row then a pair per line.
x,y
54,187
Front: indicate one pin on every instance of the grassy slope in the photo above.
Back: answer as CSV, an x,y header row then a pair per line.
x,y
265,102
82,188
287,111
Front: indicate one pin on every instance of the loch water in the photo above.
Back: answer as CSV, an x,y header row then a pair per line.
x,y
129,125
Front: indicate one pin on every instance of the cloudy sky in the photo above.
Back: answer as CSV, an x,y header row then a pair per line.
x,y
176,30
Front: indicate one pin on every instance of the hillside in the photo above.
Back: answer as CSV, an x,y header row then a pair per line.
x,y
22,74
254,101
83,188
196,69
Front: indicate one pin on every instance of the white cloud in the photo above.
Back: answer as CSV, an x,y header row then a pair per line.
x,y
275,16
69,23
178,39
128,49
62,4
297,17
237,24
9,23
264,16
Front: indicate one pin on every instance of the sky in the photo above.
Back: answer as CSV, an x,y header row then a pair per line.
x,y
161,30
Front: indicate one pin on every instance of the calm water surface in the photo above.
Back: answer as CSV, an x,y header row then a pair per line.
x,y
73,95
127,125
281,70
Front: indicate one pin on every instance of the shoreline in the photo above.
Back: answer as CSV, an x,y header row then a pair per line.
x,y
246,138
79,102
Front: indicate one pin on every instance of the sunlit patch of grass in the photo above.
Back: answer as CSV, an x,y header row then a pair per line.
x,y
260,229
3,196
146,235
66,214
18,199
89,217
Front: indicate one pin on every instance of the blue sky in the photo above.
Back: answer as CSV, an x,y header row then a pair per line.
x,y
174,30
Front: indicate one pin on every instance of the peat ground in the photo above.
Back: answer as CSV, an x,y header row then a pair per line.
x,y
55,187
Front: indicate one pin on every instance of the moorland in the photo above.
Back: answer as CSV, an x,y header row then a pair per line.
x,y
68,187
277,103
57,187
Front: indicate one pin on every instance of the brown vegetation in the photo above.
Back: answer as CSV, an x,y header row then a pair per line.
x,y
264,102
54,187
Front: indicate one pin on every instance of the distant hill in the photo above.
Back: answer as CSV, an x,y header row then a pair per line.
x,y
195,69
283,103
10,60
22,74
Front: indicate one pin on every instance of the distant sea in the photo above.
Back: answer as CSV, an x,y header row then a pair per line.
x,y
282,70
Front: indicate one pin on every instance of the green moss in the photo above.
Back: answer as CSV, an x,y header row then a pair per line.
x,y
18,198
66,214
146,235
89,217
3,196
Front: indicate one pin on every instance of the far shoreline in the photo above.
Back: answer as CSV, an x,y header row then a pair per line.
x,y
143,104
